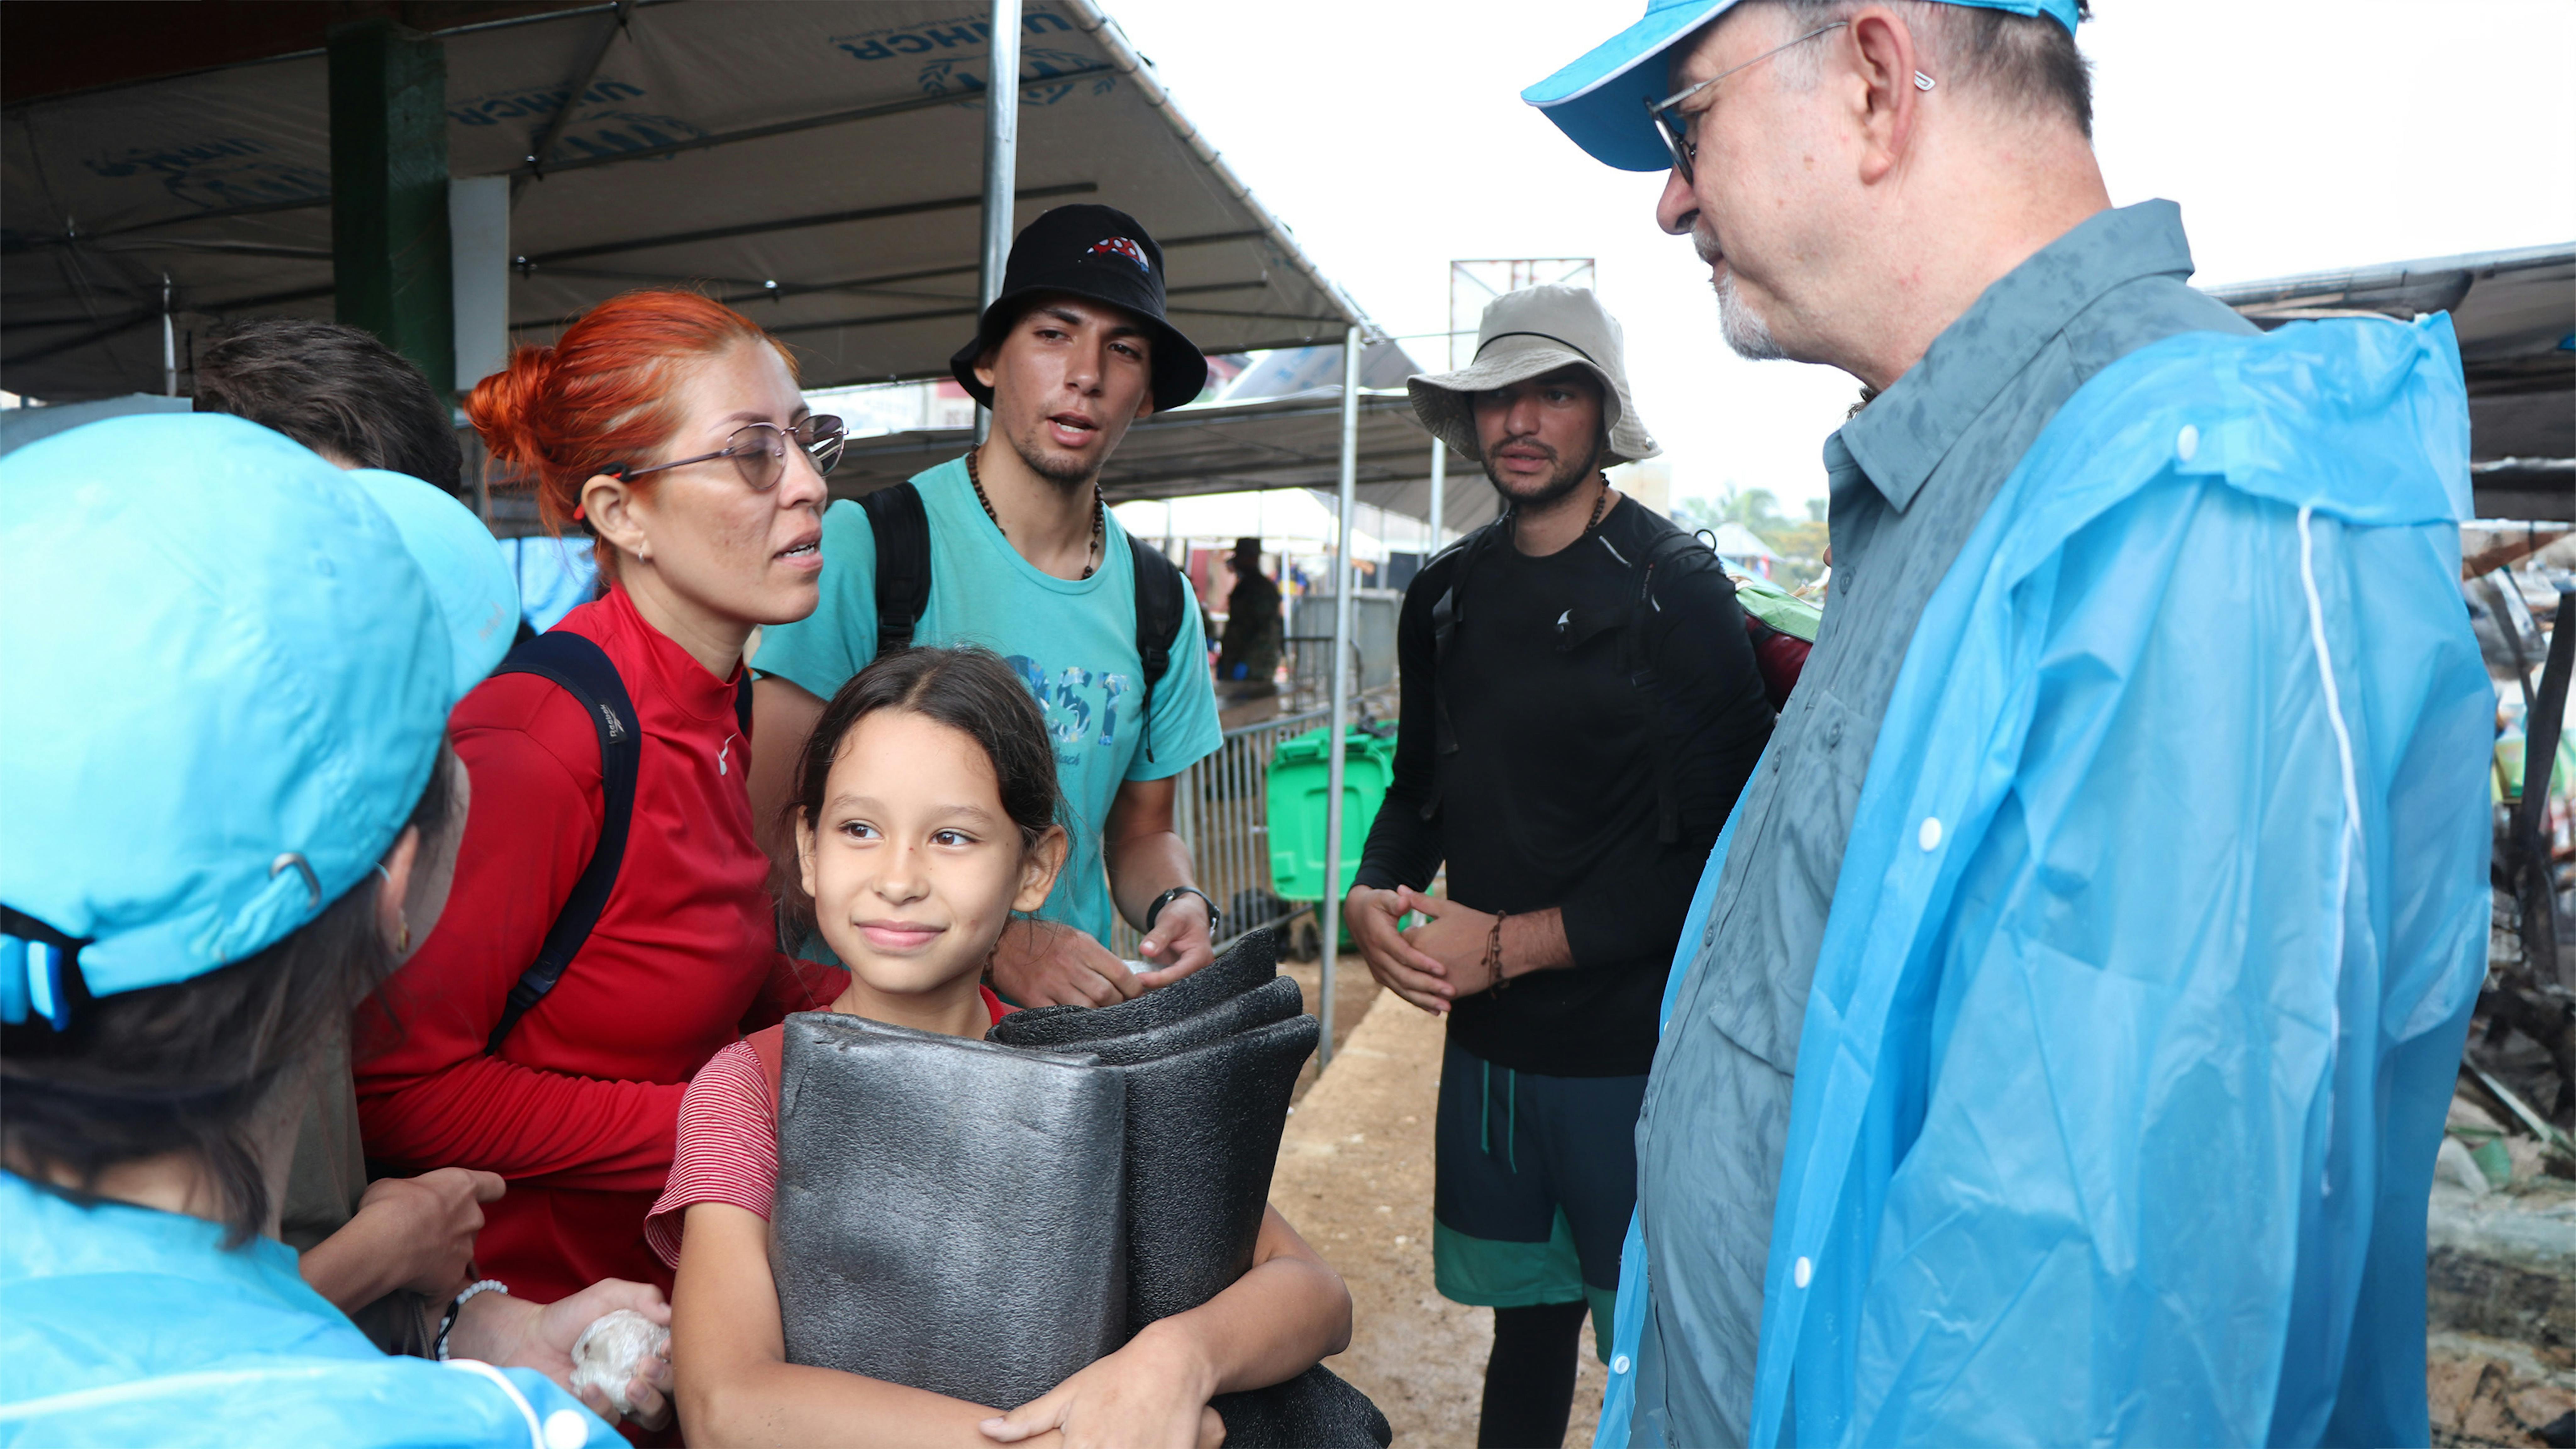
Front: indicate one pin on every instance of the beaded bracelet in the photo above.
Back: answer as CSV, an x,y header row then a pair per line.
x,y
1494,955
448,1324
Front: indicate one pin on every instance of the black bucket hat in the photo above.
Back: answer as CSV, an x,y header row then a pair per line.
x,y
1100,254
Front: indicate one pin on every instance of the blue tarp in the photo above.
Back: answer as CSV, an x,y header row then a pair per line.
x,y
2152,956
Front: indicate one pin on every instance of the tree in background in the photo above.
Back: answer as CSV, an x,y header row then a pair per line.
x,y
1800,543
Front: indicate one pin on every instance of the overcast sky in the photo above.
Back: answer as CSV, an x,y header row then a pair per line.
x,y
2296,136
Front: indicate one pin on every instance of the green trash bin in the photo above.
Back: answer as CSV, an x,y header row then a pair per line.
x,y
1300,784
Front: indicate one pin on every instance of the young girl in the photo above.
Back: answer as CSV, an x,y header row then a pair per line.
x,y
925,814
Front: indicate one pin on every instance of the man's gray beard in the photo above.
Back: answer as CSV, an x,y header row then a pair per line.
x,y
1743,328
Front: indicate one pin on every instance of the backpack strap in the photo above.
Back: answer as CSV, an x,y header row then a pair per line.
x,y
902,529
1160,593
1446,613
742,704
583,670
1673,555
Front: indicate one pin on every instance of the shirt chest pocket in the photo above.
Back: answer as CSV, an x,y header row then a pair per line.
x,y
1777,917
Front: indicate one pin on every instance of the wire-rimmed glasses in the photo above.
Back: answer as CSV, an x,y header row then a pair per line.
x,y
1676,127
759,451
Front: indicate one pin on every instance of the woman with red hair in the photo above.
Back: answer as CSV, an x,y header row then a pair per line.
x,y
671,428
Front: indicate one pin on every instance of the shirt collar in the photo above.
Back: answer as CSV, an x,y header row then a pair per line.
x,y
1906,431
676,673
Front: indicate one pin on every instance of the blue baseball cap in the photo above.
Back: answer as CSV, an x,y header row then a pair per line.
x,y
1600,101
247,657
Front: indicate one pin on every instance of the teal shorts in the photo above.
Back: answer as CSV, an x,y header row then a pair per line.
x,y
1535,1181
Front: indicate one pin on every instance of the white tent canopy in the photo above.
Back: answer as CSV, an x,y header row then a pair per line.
x,y
816,162
1285,516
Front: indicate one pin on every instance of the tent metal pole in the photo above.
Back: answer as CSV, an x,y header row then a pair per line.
x,y
1001,165
1439,491
169,344
1345,579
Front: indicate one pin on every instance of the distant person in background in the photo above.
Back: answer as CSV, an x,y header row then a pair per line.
x,y
1247,659
335,389
392,1253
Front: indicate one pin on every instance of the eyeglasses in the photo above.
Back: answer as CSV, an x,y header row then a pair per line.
x,y
1677,127
759,451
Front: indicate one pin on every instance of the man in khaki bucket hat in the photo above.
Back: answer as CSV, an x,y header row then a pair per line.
x,y
1580,708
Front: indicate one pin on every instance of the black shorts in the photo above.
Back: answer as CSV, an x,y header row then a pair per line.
x,y
1536,1179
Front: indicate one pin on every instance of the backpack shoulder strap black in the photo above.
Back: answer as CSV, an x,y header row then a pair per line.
x,y
902,530
1160,596
1672,555
1446,613
582,669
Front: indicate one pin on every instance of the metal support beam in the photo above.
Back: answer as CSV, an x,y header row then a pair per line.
x,y
1439,491
1001,165
389,242
1345,578
543,148
792,223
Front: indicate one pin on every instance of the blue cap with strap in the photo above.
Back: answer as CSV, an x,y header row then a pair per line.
x,y
1600,100
247,658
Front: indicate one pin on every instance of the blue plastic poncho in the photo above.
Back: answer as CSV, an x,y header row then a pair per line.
x,y
120,1326
2151,959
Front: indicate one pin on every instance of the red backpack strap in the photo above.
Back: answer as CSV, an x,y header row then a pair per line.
x,y
768,1045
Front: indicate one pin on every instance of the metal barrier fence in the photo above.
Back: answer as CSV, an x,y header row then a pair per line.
x,y
1221,808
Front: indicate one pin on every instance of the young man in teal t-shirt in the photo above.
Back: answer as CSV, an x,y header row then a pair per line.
x,y
1027,560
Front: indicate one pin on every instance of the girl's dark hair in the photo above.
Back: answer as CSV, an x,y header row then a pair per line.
x,y
965,688
189,1067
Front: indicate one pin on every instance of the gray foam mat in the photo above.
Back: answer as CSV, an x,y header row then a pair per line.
x,y
1203,1131
1253,962
950,1214
1315,1410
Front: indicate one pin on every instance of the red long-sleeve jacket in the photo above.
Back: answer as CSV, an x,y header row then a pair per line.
x,y
580,1108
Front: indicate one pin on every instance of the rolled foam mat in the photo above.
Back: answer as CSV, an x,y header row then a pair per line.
x,y
1203,1131
949,1212
1259,1007
1253,962
1315,1410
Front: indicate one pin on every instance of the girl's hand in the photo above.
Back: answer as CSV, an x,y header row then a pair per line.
x,y
1152,1394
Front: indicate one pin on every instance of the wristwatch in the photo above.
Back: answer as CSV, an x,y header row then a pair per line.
x,y
1175,893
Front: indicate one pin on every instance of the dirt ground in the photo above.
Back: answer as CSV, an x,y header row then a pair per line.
x,y
1354,1177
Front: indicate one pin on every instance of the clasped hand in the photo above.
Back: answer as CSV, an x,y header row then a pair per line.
x,y
1430,964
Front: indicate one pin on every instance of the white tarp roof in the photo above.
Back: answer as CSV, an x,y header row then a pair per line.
x,y
830,147
1276,516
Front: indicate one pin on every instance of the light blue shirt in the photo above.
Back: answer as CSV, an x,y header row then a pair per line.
x,y
1072,640
125,1326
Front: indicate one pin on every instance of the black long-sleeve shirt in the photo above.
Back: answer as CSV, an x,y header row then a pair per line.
x,y
1551,796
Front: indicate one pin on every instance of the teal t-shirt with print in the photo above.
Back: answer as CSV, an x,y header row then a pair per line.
x,y
1073,641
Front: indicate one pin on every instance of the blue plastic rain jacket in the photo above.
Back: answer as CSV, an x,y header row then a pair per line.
x,y
123,1326
2151,959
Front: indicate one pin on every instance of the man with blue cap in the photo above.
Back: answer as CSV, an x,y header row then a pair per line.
x,y
2062,1033
237,817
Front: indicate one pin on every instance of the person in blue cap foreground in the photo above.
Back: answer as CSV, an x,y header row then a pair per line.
x,y
2062,1034
239,822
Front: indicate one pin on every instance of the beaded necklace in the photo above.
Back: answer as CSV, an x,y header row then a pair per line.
x,y
1099,515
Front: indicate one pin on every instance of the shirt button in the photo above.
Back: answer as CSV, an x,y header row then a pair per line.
x,y
1833,734
1802,1272
1929,837
565,1430
1619,1364
2187,443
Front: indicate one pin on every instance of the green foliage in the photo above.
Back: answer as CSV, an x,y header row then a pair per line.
x,y
1800,544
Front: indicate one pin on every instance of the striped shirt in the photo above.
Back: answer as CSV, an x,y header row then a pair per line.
x,y
728,1150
